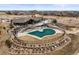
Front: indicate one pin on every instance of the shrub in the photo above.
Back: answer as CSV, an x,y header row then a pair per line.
x,y
54,21
8,43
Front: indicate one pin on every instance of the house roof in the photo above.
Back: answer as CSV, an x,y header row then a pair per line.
x,y
20,20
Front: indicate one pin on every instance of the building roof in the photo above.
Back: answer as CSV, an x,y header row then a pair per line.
x,y
20,20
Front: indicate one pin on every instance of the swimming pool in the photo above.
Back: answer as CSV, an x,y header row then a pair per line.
x,y
42,32
39,33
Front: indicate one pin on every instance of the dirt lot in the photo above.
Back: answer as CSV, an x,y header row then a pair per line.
x,y
72,48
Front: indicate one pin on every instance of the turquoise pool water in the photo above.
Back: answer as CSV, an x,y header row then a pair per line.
x,y
44,32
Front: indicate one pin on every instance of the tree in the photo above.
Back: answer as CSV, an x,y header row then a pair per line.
x,y
11,25
34,12
54,21
8,43
8,12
